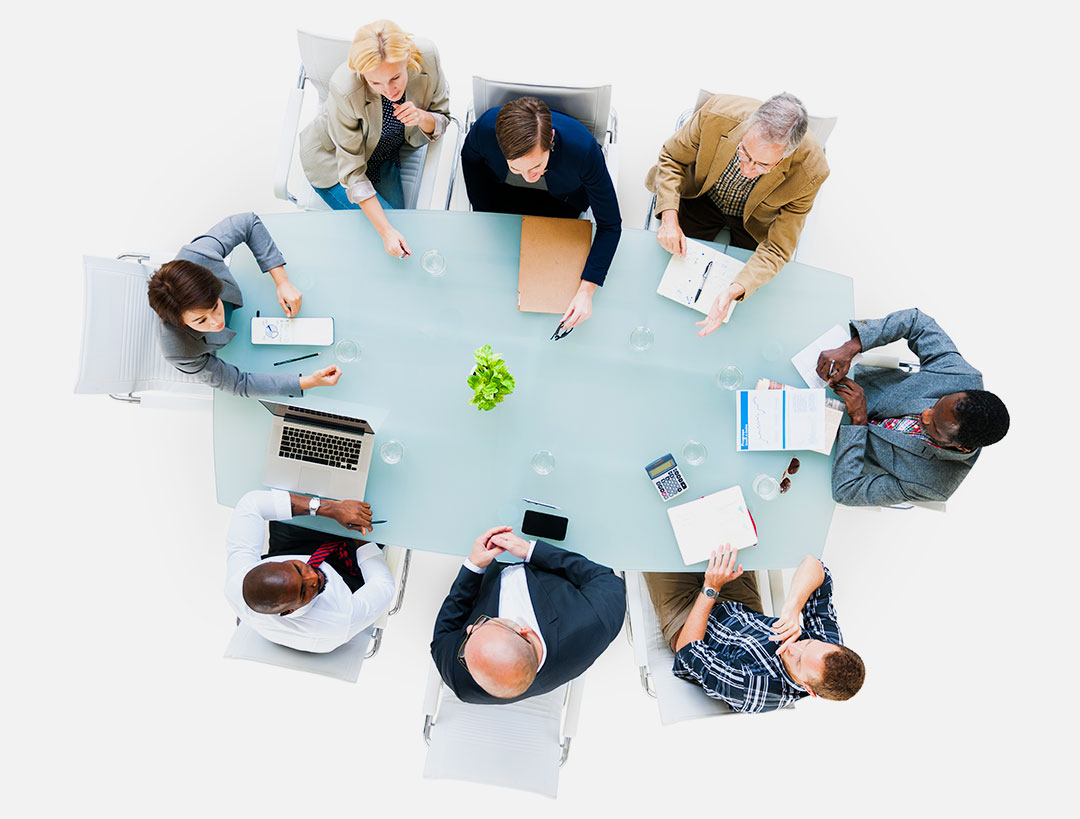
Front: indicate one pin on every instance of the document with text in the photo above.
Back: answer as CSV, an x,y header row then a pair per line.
x,y
779,419
684,276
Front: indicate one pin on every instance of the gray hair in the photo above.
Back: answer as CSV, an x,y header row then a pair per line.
x,y
781,120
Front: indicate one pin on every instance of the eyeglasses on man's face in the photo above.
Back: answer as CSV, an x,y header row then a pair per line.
x,y
481,620
745,157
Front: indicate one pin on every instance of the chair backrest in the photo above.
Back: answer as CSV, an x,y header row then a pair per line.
x,y
320,57
821,127
590,106
343,662
120,351
523,736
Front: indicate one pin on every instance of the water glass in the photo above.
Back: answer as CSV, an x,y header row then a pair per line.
x,y
730,377
694,453
543,462
433,263
392,451
767,487
641,339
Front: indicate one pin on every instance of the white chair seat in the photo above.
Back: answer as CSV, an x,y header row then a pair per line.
x,y
343,662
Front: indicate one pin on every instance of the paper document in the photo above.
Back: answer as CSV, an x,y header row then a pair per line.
x,y
703,524
314,332
805,361
779,419
834,412
684,275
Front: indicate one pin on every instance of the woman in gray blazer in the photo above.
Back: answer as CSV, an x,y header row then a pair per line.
x,y
195,294
390,91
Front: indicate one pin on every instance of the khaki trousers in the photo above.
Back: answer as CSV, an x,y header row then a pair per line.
x,y
673,595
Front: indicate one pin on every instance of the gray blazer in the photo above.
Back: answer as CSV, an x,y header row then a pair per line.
x,y
191,351
879,467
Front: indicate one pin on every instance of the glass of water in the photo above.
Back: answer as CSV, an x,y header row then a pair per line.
x,y
730,377
767,487
543,462
392,451
641,339
694,453
433,263
346,350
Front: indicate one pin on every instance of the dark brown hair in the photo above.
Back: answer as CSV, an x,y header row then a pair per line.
x,y
180,285
521,125
843,675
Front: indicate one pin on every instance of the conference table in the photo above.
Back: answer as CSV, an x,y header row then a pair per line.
x,y
602,408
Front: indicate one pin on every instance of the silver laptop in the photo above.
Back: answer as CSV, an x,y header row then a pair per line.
x,y
318,453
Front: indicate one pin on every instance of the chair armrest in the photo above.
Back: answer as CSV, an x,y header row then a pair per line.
x,y
431,700
649,216
287,142
636,617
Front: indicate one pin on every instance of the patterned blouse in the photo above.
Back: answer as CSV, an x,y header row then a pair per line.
x,y
390,140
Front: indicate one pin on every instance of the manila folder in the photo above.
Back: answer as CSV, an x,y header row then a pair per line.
x,y
553,254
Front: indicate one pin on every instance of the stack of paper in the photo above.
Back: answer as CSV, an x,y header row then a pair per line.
x,y
685,275
702,525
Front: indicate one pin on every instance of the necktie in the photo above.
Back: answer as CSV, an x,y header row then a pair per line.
x,y
342,553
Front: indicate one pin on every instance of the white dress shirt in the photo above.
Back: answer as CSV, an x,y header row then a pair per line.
x,y
515,602
335,615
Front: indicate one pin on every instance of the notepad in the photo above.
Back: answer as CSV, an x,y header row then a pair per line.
x,y
805,360
308,332
703,524
834,412
553,254
779,419
685,274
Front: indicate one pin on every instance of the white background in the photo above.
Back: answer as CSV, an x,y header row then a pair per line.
x,y
133,126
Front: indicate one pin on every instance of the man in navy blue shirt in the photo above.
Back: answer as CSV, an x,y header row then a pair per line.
x,y
524,158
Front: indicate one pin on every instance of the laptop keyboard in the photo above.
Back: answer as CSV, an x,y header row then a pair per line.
x,y
319,448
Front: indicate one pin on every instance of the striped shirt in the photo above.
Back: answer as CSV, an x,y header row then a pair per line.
x,y
736,661
390,140
907,424
732,189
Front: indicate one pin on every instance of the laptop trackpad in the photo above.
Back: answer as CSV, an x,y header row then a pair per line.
x,y
318,482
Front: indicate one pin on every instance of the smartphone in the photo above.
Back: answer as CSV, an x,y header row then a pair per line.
x,y
543,525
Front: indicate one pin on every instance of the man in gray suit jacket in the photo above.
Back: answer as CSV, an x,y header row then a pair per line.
x,y
913,436
195,294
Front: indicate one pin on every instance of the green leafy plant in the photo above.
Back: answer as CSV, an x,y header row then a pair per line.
x,y
490,381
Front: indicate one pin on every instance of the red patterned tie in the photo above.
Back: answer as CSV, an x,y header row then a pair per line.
x,y
340,551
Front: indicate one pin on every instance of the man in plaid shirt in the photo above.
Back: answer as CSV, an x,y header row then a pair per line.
x,y
724,643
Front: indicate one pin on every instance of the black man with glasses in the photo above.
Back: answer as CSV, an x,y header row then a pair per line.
x,y
751,167
507,632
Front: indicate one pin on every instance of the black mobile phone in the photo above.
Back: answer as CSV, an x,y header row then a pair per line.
x,y
543,525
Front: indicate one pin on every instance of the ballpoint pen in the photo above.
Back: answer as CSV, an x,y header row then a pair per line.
x,y
539,503
704,276
298,358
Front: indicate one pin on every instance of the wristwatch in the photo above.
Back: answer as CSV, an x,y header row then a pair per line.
x,y
313,506
711,593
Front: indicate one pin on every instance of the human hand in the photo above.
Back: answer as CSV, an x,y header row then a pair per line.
x,y
289,298
580,306
394,244
721,568
408,114
719,309
786,630
483,550
670,235
511,543
352,514
838,360
854,399
326,377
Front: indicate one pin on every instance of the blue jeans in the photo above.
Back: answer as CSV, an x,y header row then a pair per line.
x,y
387,190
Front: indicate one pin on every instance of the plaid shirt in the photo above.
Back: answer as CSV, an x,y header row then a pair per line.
x,y
732,189
737,663
907,424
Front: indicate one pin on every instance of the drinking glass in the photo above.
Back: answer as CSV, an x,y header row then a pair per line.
x,y
730,377
641,339
767,487
694,453
433,263
543,462
347,350
392,451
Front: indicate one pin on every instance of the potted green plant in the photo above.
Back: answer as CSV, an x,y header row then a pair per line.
x,y
490,381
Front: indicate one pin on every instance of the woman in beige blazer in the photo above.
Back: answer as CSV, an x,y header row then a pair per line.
x,y
390,91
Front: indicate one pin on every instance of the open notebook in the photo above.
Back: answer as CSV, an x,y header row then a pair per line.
x,y
684,275
703,524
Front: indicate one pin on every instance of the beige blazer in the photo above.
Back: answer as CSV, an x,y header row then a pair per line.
x,y
334,146
693,158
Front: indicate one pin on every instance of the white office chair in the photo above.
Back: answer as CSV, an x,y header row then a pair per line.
x,y
678,699
821,127
591,106
427,172
518,745
120,351
343,662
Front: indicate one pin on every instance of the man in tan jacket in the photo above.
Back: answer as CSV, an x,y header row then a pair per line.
x,y
748,166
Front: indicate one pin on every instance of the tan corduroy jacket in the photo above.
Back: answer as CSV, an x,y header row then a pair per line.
x,y
693,158
334,146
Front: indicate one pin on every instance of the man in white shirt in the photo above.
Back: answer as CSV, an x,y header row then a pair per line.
x,y
307,603
509,632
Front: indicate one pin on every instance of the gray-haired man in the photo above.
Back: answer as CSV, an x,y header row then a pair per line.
x,y
748,166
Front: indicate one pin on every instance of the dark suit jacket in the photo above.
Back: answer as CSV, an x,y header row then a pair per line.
x,y
576,174
579,607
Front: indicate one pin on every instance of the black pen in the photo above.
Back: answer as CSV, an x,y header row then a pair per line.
x,y
298,358
704,276
379,521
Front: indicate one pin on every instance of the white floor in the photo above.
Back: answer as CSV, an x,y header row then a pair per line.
x,y
135,126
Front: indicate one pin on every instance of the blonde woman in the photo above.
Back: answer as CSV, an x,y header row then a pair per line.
x,y
390,91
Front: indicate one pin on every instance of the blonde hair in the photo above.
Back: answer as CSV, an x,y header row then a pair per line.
x,y
382,42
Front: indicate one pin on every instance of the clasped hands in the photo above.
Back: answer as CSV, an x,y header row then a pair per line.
x,y
832,367
494,542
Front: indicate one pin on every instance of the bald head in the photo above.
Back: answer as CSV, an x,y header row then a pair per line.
x,y
502,661
271,588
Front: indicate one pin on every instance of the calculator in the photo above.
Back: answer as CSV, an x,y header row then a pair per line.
x,y
666,477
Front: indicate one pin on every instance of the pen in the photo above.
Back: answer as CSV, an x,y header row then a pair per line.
x,y
378,521
704,276
298,358
832,366
538,503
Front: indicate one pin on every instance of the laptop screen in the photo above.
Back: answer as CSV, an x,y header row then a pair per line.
x,y
323,419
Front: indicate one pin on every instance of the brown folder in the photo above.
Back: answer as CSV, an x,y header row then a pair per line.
x,y
553,254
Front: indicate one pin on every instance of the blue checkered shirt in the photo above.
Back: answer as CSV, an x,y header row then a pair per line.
x,y
737,663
